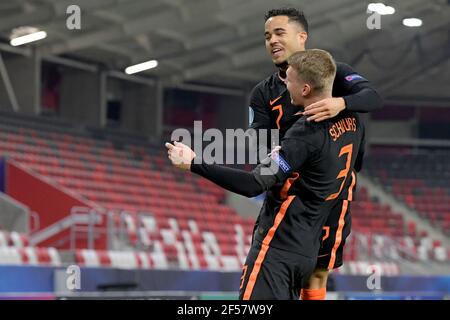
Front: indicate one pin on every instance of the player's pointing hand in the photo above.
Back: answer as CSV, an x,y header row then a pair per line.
x,y
180,155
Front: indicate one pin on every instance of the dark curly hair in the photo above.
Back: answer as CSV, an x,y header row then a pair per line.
x,y
293,14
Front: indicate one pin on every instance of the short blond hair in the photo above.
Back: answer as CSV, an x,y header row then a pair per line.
x,y
315,67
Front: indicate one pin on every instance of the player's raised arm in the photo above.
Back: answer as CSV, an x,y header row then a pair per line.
x,y
359,93
352,92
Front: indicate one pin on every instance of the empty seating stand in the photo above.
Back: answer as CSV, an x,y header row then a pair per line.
x,y
15,250
418,177
132,180
176,219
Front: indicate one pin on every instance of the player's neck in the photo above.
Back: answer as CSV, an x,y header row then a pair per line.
x,y
316,98
282,67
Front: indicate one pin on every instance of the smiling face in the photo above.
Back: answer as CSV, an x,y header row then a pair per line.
x,y
283,38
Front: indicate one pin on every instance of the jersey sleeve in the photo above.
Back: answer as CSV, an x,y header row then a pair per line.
x,y
231,179
271,170
295,150
357,91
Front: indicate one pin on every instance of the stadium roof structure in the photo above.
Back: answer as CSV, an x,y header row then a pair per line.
x,y
221,42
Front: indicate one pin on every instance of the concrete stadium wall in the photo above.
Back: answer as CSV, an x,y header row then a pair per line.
x,y
51,202
24,74
14,216
79,96
138,105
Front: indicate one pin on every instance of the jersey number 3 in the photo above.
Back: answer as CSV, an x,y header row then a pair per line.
x,y
348,150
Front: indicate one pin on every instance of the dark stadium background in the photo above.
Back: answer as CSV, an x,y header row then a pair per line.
x,y
83,170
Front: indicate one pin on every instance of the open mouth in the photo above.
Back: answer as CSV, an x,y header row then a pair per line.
x,y
277,52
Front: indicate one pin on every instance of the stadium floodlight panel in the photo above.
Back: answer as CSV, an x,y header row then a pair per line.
x,y
141,67
35,36
412,22
381,8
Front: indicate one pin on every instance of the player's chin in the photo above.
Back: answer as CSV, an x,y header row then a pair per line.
x,y
278,60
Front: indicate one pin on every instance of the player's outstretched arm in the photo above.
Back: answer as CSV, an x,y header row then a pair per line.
x,y
234,180
275,168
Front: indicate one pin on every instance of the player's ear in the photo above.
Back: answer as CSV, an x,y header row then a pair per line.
x,y
302,37
306,90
